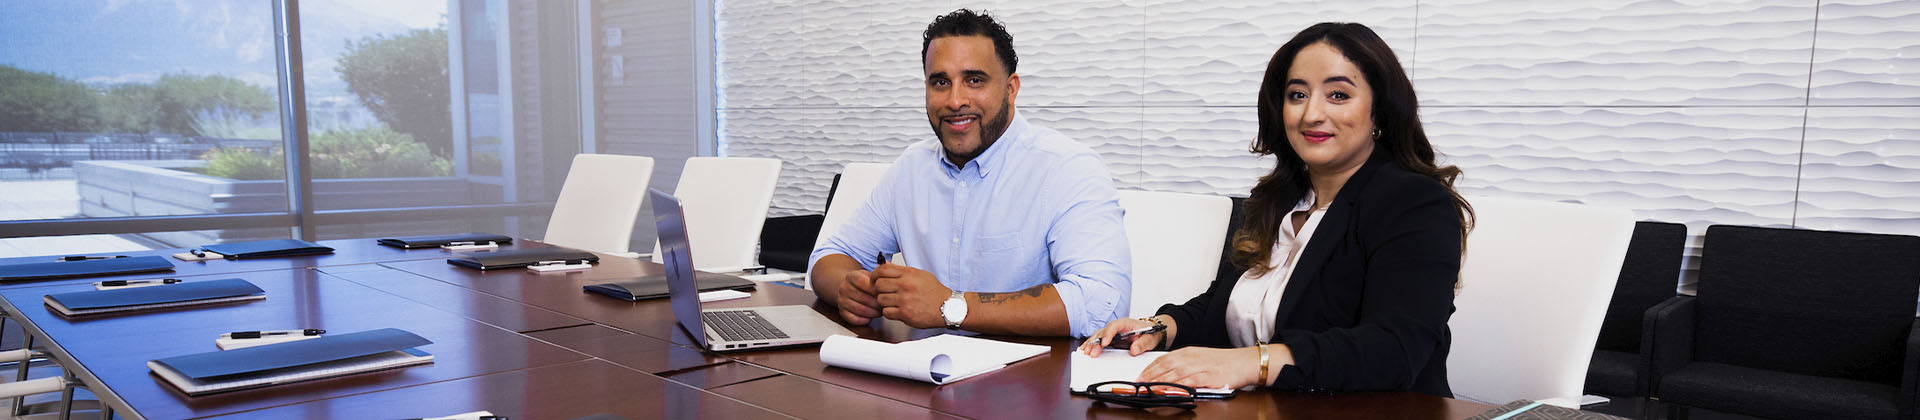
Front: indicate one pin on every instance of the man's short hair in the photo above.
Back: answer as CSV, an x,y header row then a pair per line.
x,y
965,22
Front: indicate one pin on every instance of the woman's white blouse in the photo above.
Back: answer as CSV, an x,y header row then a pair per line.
x,y
1256,300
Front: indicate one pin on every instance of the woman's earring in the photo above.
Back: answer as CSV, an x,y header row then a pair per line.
x,y
1376,134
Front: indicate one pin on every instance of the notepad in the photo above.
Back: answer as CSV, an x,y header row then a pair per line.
x,y
326,357
435,241
268,248
87,268
167,296
940,360
1116,365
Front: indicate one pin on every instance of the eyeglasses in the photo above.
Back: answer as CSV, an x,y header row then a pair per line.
x,y
1143,394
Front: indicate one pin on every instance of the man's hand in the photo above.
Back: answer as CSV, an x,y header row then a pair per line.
x,y
858,304
910,295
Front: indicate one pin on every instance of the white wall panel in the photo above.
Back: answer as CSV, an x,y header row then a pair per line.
x,y
1215,52
1202,150
1862,170
1867,53
1611,52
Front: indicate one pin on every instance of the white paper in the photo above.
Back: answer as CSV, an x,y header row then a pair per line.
x,y
1114,365
939,359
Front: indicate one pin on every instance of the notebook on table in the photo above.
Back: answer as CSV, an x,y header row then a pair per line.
x,y
268,249
84,268
654,287
521,258
436,241
726,329
320,358
204,292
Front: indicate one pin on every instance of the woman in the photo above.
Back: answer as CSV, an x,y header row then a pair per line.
x,y
1353,242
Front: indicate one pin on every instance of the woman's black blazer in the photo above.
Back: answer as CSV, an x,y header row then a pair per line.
x,y
1367,305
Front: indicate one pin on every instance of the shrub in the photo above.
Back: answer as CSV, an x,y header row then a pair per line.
x,y
374,152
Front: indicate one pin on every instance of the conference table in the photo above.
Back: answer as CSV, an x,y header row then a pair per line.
x,y
529,345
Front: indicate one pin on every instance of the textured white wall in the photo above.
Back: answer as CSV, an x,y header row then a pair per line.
x,y
1773,112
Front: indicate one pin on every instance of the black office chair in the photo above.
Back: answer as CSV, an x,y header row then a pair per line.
x,y
1793,324
787,242
1226,250
1647,278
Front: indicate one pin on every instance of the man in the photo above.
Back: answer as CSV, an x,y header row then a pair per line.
x,y
1006,227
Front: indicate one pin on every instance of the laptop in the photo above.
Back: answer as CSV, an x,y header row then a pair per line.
x,y
728,329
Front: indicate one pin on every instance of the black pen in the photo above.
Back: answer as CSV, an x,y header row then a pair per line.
x,y
84,258
260,334
198,253
111,283
469,243
879,260
1148,330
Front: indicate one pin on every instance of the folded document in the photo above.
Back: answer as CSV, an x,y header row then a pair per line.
x,y
940,359
319,358
165,296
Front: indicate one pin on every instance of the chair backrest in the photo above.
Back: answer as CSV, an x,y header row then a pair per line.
x,y
1649,276
857,182
1171,236
599,202
726,200
1831,304
1537,277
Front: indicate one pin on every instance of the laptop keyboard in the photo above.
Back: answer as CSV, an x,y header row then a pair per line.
x,y
741,325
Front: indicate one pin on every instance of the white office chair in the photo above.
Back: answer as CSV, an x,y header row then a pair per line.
x,y
1175,241
599,203
726,200
1537,277
857,182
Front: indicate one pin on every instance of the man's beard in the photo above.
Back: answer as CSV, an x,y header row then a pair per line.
x,y
990,132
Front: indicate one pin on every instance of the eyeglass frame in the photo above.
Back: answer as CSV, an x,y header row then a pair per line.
x,y
1152,400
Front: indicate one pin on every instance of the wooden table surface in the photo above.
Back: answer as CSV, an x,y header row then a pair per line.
x,y
531,345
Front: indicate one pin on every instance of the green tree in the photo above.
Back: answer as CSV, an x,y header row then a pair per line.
x,y
42,102
403,81
171,104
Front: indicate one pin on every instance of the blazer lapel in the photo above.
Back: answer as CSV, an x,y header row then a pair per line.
x,y
1333,230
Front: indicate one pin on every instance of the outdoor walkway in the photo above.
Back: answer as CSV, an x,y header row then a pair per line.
x,y
27,199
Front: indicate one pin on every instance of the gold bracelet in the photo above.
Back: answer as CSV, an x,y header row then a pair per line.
x,y
1262,380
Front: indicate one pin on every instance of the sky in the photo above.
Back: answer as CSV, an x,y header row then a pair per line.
x,y
120,41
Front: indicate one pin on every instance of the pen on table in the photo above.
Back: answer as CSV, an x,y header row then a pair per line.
x,y
84,258
198,253
259,334
111,283
560,262
1147,330
469,243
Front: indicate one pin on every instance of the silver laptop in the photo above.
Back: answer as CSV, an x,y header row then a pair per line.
x,y
727,329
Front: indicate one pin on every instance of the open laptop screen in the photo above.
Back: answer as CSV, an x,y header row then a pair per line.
x,y
674,249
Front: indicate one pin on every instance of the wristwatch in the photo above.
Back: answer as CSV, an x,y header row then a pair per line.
x,y
955,310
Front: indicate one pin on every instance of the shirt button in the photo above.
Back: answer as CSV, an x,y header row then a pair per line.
x,y
956,240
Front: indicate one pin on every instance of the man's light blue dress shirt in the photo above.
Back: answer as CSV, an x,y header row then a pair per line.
x,y
1035,208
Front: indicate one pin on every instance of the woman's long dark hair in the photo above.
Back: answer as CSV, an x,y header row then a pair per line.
x,y
1395,114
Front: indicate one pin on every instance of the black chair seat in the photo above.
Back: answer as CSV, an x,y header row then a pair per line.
x,y
1612,373
1741,390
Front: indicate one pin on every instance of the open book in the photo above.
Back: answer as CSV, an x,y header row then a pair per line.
x,y
940,359
1116,365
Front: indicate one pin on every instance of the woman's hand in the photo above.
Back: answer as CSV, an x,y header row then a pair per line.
x,y
1135,345
1202,367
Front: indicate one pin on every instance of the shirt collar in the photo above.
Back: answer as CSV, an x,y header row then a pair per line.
x,y
993,158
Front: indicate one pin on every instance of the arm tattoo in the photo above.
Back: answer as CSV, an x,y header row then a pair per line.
x,y
1003,297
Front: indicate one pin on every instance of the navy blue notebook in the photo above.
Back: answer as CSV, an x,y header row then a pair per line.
x,y
436,241
154,297
522,258
268,248
87,268
294,361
